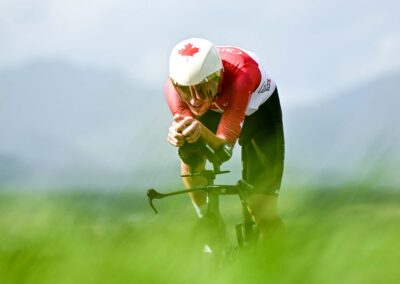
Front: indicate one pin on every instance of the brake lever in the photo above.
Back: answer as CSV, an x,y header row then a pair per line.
x,y
153,194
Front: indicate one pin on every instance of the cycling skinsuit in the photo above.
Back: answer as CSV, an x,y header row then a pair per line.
x,y
247,108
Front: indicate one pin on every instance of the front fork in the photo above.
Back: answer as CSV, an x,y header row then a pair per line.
x,y
246,232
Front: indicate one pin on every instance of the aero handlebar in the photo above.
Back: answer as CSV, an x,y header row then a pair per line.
x,y
216,158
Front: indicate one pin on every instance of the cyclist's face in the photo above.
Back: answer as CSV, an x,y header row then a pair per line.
x,y
199,97
197,103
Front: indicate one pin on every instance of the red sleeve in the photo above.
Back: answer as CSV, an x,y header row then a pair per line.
x,y
238,92
176,105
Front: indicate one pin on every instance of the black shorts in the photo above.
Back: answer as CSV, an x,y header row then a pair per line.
x,y
263,145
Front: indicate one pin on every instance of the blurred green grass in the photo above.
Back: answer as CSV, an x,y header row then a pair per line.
x,y
345,235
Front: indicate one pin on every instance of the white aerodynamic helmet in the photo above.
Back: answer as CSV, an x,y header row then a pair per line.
x,y
192,60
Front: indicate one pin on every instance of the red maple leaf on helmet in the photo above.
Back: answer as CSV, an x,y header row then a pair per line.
x,y
188,50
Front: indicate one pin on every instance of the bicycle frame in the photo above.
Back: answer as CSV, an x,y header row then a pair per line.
x,y
246,232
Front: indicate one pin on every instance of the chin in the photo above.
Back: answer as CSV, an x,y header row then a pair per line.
x,y
199,112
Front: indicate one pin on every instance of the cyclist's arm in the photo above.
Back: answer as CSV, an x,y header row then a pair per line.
x,y
215,141
239,93
175,104
231,121
194,130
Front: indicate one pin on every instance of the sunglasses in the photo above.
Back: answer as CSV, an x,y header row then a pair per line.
x,y
206,89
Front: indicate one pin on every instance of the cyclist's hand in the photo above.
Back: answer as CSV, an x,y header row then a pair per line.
x,y
175,137
192,133
189,127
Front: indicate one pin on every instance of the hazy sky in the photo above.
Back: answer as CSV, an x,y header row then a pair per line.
x,y
314,49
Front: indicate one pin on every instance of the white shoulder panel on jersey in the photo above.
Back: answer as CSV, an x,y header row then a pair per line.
x,y
267,84
265,88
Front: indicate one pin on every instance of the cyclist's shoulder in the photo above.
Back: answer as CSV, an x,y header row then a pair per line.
x,y
237,56
240,65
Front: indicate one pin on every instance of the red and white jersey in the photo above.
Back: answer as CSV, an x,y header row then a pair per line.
x,y
246,85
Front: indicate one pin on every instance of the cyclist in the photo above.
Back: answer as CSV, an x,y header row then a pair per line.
x,y
221,94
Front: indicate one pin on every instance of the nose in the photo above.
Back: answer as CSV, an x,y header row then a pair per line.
x,y
194,102
194,97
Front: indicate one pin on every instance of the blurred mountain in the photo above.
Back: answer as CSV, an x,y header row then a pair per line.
x,y
71,125
65,125
11,168
353,137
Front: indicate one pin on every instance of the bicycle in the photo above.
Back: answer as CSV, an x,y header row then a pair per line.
x,y
246,232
